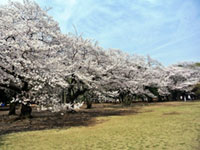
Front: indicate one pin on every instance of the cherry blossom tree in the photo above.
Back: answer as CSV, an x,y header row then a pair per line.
x,y
29,42
38,63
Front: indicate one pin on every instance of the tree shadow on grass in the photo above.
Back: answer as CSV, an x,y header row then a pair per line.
x,y
1,141
47,120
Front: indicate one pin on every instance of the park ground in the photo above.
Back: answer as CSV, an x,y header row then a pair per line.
x,y
156,126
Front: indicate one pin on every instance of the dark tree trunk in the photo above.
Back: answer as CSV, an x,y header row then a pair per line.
x,y
160,99
26,111
150,100
12,109
89,104
121,98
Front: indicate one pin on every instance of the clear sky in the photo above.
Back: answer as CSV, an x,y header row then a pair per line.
x,y
167,30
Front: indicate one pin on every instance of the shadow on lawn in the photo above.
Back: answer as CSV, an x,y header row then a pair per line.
x,y
1,141
47,120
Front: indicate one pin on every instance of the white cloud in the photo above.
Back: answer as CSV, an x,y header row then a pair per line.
x,y
61,10
2,2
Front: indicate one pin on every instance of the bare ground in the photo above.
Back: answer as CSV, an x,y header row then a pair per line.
x,y
48,120
83,117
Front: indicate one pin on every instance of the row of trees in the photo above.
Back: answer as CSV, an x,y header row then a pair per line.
x,y
40,64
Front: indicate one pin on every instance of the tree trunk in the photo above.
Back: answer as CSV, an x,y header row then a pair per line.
x,y
160,99
12,109
150,100
26,111
89,104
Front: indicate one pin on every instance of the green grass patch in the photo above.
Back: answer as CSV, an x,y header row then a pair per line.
x,y
170,126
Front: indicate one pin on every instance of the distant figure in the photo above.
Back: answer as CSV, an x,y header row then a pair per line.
x,y
181,97
185,99
189,97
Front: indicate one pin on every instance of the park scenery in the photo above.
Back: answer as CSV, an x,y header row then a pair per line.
x,y
63,91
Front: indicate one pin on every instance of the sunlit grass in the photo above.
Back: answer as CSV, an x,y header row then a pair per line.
x,y
171,126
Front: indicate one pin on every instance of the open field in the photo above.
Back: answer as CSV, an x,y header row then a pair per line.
x,y
170,126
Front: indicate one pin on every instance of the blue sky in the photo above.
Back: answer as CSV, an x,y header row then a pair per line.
x,y
167,30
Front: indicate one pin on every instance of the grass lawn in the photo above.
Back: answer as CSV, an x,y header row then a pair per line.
x,y
161,126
